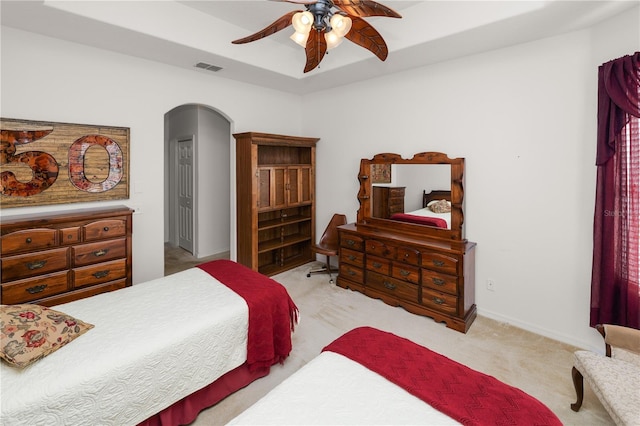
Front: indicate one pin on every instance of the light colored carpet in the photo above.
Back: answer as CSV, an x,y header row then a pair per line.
x,y
537,365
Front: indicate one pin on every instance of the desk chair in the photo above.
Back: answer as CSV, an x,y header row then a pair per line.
x,y
329,245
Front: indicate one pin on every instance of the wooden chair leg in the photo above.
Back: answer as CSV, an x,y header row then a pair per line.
x,y
578,383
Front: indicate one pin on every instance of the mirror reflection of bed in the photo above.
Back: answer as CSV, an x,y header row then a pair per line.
x,y
424,186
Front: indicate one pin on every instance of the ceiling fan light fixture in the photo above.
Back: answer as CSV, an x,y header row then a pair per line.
x,y
300,38
333,39
340,24
302,21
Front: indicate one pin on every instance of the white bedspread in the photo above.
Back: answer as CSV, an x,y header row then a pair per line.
x,y
332,390
153,344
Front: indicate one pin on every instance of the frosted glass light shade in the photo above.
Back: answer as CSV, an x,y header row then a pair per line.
x,y
302,21
300,38
333,39
340,24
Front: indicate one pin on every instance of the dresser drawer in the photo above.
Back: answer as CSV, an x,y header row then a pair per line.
x,y
439,301
440,262
400,289
88,254
351,241
34,288
396,192
70,296
32,264
440,282
101,273
379,248
103,229
396,208
408,255
406,272
378,264
351,273
70,235
29,240
352,257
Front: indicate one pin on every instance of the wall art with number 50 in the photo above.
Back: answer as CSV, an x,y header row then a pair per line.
x,y
59,163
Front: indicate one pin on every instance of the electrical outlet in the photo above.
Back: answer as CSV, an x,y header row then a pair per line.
x,y
491,285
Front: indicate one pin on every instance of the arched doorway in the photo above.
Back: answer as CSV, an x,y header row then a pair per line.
x,y
197,181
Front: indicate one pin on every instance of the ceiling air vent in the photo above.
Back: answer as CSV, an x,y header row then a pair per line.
x,y
207,67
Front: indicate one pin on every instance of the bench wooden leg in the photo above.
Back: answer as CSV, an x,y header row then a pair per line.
x,y
578,383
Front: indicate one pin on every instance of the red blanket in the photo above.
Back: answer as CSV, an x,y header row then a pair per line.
x,y
272,313
420,220
466,395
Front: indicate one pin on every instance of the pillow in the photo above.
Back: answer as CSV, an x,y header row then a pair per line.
x,y
31,332
439,206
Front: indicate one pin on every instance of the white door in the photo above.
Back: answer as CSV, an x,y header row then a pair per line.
x,y
185,194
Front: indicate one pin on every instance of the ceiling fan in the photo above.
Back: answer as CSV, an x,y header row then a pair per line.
x,y
324,23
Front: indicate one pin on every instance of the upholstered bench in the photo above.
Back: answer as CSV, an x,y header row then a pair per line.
x,y
614,378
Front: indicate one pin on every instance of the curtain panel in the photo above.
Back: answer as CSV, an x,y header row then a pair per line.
x,y
615,293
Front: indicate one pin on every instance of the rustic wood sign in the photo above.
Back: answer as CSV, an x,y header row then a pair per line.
x,y
58,163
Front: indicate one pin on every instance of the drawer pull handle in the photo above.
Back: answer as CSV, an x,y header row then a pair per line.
x,y
352,273
404,273
389,286
99,253
351,243
351,257
438,281
28,240
406,255
101,274
377,265
105,229
36,289
32,266
438,262
438,301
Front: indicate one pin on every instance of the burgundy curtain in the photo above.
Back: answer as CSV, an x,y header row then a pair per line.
x,y
615,293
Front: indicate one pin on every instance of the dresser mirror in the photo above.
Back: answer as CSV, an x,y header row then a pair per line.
x,y
423,195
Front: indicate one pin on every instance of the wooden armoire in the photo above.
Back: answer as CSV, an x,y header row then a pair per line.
x,y
275,195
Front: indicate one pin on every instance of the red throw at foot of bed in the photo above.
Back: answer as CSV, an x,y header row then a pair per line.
x,y
466,395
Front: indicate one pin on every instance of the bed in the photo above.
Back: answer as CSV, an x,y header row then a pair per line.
x,y
158,352
369,376
430,214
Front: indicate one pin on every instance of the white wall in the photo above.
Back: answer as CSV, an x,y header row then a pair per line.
x,y
52,80
524,119
214,198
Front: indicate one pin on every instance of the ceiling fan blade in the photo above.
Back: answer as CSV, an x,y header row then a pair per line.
x,y
280,24
363,34
315,49
363,8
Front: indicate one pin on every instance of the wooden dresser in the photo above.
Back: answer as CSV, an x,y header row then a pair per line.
x,y
425,276
55,258
387,200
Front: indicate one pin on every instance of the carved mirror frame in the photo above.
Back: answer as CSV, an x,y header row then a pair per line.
x,y
455,233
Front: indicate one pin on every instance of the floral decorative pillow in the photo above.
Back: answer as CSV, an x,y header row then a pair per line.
x,y
31,332
440,206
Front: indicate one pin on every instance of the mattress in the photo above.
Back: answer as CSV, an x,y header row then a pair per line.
x,y
153,344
